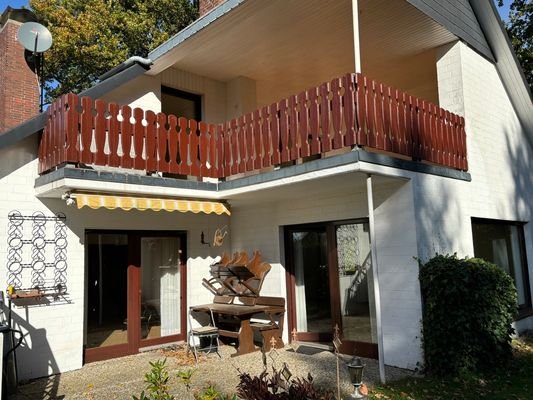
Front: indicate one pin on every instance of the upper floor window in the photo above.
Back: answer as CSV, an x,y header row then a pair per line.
x,y
502,243
180,103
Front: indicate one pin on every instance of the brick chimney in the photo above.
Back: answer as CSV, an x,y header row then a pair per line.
x,y
204,6
19,89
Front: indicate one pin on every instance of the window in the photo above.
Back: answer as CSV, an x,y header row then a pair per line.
x,y
502,243
181,104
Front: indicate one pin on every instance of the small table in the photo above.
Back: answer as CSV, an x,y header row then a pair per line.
x,y
243,313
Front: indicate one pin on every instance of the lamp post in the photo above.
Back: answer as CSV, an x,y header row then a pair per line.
x,y
355,369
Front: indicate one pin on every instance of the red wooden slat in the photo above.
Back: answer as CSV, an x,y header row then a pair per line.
x,y
234,146
213,149
53,137
349,109
173,148
99,132
371,112
162,135
378,115
336,113
203,147
257,133
284,130
193,148
314,121
360,111
183,140
138,139
150,134
86,130
266,136
226,161
293,143
303,124
462,139
113,127
241,144
126,133
249,141
275,133
325,117
62,133
389,115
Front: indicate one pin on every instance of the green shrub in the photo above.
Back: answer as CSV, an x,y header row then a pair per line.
x,y
468,308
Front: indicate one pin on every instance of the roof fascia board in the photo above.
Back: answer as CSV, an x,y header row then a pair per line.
x,y
193,28
38,122
507,63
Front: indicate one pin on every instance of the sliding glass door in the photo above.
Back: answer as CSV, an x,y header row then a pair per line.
x,y
329,284
135,286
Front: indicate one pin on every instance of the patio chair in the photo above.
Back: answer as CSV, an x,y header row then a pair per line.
x,y
203,338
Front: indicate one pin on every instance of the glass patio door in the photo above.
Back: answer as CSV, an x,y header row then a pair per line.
x,y
311,286
161,289
135,291
329,284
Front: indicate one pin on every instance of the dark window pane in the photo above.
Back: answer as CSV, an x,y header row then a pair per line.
x,y
502,244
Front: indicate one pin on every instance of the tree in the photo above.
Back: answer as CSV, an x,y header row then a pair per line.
x,y
520,30
93,36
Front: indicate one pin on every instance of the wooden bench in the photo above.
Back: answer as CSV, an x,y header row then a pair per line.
x,y
272,329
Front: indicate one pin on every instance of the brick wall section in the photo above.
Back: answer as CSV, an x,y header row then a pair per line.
x,y
19,90
205,6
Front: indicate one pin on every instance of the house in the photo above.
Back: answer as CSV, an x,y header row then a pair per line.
x,y
343,139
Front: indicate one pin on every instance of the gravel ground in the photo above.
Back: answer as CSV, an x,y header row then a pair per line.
x,y
123,377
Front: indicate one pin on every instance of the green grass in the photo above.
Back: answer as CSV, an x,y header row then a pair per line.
x,y
513,382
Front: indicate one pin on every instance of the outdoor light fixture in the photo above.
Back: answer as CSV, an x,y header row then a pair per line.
x,y
355,369
68,199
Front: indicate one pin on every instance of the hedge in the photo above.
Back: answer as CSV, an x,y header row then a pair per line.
x,y
468,307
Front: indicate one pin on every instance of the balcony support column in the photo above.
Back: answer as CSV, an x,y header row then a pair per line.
x,y
375,276
356,43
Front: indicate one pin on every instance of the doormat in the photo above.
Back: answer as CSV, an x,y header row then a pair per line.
x,y
310,349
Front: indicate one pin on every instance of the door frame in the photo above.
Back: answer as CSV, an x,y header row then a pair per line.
x,y
134,293
363,349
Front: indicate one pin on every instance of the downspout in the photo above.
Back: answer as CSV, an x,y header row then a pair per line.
x,y
375,279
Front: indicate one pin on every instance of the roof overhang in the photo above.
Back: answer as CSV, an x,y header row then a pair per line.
x,y
287,46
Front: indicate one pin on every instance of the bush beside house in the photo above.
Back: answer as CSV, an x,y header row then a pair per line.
x,y
468,308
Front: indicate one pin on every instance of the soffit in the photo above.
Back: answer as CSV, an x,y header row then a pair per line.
x,y
295,44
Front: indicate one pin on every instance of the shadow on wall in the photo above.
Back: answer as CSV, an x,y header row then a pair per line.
x,y
439,216
522,174
36,358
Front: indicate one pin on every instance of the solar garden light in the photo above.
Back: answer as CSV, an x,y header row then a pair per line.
x,y
355,369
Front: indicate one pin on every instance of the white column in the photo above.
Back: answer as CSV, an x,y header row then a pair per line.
x,y
356,44
375,277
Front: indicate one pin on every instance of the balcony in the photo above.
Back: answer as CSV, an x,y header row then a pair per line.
x,y
346,112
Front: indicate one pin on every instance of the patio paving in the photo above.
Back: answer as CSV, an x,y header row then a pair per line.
x,y
123,377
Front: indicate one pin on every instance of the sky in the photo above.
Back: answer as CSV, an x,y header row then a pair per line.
x,y
504,11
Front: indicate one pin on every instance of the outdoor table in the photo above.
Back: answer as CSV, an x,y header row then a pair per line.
x,y
243,313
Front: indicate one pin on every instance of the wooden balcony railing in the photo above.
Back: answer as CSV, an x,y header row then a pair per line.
x,y
348,111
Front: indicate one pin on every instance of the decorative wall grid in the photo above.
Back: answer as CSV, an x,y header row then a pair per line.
x,y
37,253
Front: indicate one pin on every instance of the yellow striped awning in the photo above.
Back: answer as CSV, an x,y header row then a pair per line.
x,y
127,203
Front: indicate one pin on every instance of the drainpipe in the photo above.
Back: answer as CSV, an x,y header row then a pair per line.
x,y
375,279
356,43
